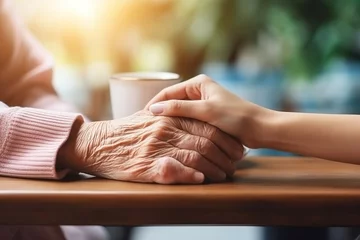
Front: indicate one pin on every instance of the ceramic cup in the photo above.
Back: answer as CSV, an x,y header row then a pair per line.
x,y
130,92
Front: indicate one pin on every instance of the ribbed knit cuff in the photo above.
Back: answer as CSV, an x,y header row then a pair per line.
x,y
33,141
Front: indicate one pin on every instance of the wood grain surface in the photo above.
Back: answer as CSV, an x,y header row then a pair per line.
x,y
265,191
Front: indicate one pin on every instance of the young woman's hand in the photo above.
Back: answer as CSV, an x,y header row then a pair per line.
x,y
203,99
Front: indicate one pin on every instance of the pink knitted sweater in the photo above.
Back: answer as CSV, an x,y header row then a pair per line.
x,y
30,137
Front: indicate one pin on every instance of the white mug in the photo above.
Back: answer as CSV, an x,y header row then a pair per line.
x,y
130,92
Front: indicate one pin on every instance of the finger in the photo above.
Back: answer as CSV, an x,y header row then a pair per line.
x,y
200,110
231,147
190,89
194,160
171,171
207,149
177,91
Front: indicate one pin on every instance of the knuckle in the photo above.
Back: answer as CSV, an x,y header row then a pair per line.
x,y
211,131
151,142
186,124
160,127
163,91
166,171
161,124
203,146
204,78
158,134
175,105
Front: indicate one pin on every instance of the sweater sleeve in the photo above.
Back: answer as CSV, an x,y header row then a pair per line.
x,y
30,140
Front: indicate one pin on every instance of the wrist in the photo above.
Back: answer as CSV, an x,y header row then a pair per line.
x,y
69,156
261,127
81,146
271,129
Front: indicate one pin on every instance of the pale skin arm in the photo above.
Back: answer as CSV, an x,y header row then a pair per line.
x,y
332,137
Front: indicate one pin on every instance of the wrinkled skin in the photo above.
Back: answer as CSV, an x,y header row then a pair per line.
x,y
146,148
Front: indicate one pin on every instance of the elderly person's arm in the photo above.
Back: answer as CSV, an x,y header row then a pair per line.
x,y
44,144
37,143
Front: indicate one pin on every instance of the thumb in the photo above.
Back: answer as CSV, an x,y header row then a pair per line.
x,y
197,109
170,171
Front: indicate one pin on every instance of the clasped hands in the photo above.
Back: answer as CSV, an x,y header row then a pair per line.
x,y
154,149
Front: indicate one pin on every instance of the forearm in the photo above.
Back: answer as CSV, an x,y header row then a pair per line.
x,y
79,147
333,137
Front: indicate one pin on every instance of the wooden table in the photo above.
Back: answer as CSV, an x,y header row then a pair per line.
x,y
265,191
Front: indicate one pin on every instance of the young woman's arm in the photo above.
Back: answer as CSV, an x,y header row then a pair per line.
x,y
333,137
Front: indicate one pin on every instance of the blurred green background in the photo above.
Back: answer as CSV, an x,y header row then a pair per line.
x,y
240,43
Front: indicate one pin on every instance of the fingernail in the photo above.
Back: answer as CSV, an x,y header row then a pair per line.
x,y
198,177
157,108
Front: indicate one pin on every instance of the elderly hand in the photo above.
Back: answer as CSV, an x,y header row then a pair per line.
x,y
146,148
203,99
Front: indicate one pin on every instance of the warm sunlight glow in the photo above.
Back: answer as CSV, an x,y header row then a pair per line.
x,y
83,10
